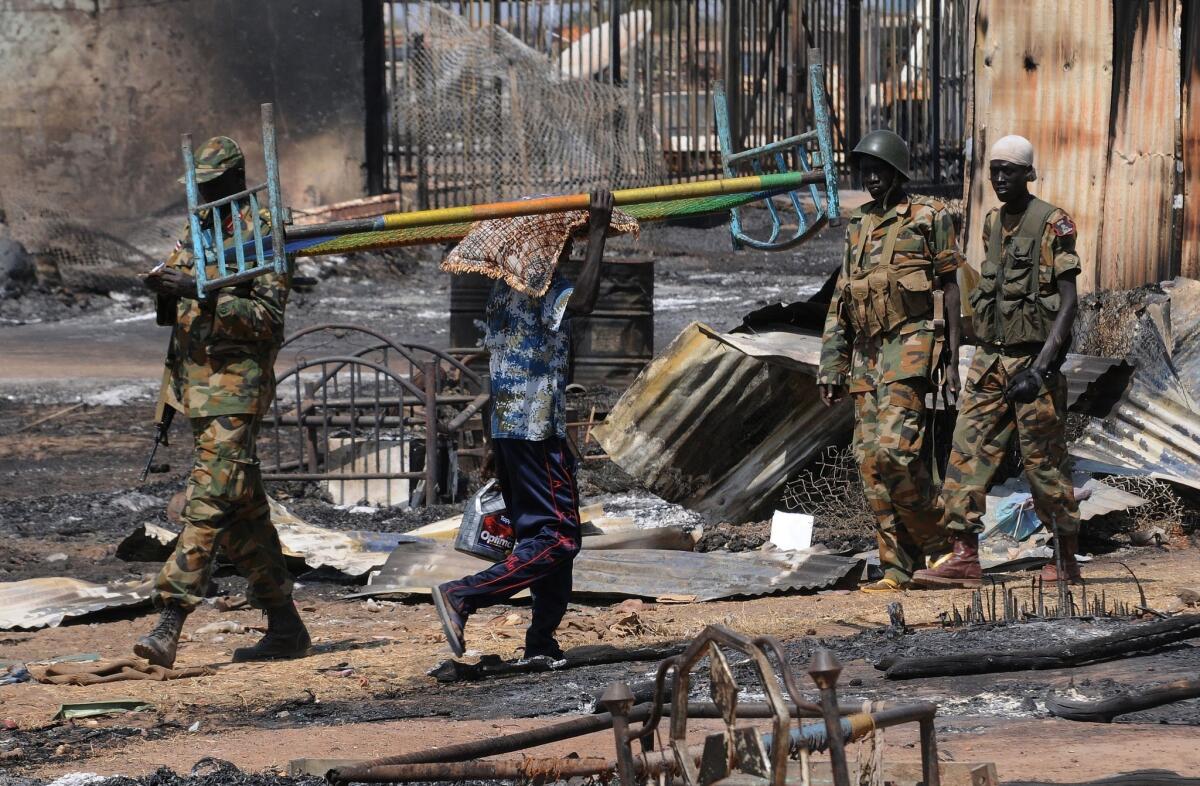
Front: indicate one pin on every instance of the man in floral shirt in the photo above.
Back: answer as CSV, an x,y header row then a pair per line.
x,y
529,342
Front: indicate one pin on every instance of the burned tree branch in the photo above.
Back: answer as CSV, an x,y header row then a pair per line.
x,y
1142,638
1105,710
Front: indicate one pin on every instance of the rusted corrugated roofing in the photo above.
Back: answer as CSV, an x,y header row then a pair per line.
x,y
717,430
1155,428
636,573
1098,95
1042,70
1190,125
1143,126
803,352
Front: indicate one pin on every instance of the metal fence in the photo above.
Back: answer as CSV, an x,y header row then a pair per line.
x,y
899,64
374,420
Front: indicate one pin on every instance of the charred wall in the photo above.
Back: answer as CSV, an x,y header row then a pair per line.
x,y
1096,86
94,96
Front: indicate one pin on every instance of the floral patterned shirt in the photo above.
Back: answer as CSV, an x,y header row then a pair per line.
x,y
530,344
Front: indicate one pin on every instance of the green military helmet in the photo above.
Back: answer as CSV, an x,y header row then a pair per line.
x,y
887,146
216,157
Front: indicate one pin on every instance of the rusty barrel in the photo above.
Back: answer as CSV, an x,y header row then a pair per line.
x,y
615,342
468,301
609,347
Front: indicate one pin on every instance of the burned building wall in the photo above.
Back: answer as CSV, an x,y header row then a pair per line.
x,y
1096,87
95,95
1041,71
1190,73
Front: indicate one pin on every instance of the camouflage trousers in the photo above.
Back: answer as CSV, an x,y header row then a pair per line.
x,y
226,508
986,424
889,432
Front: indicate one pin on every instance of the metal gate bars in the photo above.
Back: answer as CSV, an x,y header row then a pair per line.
x,y
378,421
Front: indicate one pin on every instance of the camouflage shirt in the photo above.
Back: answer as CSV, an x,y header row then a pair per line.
x,y
926,232
530,350
224,347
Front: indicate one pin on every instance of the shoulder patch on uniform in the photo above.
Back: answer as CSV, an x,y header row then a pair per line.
x,y
1063,226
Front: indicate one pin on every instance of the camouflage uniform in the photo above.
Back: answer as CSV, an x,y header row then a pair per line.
x,y
888,365
222,373
987,420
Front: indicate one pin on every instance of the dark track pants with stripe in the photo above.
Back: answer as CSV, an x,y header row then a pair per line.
x,y
537,479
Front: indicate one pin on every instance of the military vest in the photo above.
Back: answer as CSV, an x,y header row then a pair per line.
x,y
1009,306
897,289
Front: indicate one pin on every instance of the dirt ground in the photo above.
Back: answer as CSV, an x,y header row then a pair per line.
x,y
68,495
364,692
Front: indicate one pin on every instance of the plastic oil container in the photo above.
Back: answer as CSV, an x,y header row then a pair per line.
x,y
486,530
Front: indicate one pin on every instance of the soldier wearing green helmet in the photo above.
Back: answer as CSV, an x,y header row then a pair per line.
x,y
884,345
220,373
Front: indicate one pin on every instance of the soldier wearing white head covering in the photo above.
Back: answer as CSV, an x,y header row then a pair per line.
x,y
1015,150
1024,306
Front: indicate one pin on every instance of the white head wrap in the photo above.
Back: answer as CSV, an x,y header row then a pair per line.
x,y
1015,149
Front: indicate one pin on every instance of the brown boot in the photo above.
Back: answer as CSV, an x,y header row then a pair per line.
x,y
1067,545
960,570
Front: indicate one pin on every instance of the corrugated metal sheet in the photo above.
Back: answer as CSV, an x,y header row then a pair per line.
x,y
719,431
636,573
720,421
1097,87
352,553
1190,75
1143,124
1155,428
46,602
1043,70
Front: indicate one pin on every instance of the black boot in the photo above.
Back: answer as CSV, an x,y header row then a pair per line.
x,y
286,637
159,645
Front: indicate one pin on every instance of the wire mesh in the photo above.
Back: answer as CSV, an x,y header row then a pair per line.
x,y
490,118
830,490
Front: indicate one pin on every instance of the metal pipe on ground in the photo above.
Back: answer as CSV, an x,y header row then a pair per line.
x,y
375,771
811,736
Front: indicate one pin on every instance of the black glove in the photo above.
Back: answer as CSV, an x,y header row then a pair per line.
x,y
1025,387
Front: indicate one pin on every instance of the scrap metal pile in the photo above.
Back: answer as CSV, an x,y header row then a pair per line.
x,y
753,392
740,754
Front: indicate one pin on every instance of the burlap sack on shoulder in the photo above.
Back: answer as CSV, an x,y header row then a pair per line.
x,y
524,251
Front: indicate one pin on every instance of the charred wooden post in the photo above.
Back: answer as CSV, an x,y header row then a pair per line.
x,y
1140,638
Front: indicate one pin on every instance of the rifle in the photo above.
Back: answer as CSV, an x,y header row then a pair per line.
x,y
164,411
940,361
